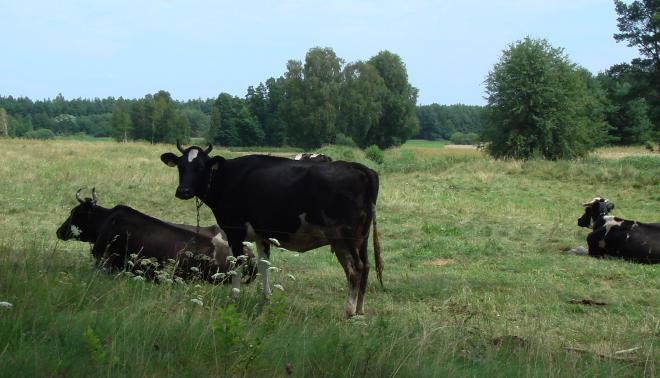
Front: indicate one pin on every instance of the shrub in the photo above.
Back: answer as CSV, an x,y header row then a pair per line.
x,y
344,140
40,134
375,154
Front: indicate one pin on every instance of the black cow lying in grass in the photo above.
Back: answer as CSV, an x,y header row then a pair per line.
x,y
616,237
126,238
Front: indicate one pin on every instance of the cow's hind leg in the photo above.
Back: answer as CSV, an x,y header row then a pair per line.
x,y
353,267
364,258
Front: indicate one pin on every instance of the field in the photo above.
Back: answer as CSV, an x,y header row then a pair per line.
x,y
477,280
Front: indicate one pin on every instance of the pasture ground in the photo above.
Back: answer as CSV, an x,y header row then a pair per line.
x,y
477,282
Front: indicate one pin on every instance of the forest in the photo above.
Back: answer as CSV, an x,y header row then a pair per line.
x,y
535,98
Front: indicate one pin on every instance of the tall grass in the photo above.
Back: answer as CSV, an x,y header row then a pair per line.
x,y
476,280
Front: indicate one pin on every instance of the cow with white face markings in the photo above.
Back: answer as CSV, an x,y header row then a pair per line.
x,y
299,204
616,237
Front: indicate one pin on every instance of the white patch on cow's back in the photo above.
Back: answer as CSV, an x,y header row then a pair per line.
x,y
298,157
610,222
192,154
313,156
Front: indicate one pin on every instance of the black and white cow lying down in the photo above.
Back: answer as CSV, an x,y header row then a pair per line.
x,y
317,158
302,205
616,237
121,231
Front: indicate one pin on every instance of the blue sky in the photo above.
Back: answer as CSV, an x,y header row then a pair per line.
x,y
197,49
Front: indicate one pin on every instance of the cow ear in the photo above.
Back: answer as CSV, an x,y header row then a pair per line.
x,y
610,206
216,162
169,159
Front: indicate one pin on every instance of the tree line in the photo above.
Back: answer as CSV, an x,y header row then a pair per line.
x,y
316,101
539,103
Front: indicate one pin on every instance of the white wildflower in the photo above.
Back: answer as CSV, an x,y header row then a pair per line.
x,y
231,273
194,269
133,256
145,262
235,291
231,259
138,278
188,254
274,269
168,281
75,231
6,305
291,276
197,302
171,261
247,244
279,287
218,276
274,241
264,261
178,280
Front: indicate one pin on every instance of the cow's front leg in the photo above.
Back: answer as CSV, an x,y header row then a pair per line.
x,y
237,251
263,263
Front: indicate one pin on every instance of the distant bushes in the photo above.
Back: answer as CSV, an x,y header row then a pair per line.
x,y
42,134
464,138
375,154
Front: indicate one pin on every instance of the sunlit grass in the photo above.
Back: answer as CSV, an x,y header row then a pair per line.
x,y
497,305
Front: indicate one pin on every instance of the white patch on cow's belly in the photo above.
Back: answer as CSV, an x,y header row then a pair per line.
x,y
306,237
221,248
609,223
192,154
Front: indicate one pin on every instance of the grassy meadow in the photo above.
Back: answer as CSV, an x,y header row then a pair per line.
x,y
477,280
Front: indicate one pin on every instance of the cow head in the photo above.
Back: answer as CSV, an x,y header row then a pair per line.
x,y
80,223
592,210
195,166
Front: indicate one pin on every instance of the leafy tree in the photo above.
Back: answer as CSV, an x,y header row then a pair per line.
x,y
4,121
232,124
398,121
639,25
538,105
121,122
65,124
362,93
273,126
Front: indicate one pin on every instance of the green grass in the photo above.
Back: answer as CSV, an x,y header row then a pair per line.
x,y
473,255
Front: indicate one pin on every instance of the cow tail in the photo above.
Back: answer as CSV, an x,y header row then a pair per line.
x,y
377,256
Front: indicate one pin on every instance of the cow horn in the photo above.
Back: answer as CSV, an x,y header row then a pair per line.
x,y
208,149
94,198
78,196
178,146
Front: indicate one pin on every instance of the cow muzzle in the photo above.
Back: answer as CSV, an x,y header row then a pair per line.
x,y
184,193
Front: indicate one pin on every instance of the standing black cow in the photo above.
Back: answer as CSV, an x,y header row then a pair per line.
x,y
303,206
611,236
121,231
